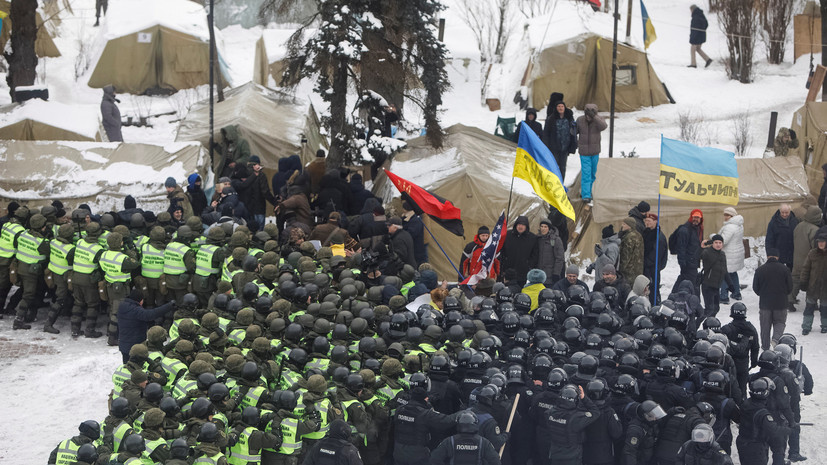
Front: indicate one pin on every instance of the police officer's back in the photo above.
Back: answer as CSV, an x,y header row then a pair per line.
x,y
466,447
567,420
759,427
412,425
335,448
702,449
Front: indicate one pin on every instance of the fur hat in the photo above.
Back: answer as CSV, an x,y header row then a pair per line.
x,y
608,231
536,276
170,182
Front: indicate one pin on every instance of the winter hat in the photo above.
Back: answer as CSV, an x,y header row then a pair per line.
x,y
170,182
717,237
608,231
696,212
643,206
554,99
609,269
631,222
546,222
254,160
395,220
483,230
730,211
536,276
13,206
572,269
418,394
136,294
773,252
129,202
224,179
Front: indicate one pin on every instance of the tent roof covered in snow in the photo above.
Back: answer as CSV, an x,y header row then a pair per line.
x,y
473,171
275,124
271,48
810,126
621,183
40,120
154,44
100,174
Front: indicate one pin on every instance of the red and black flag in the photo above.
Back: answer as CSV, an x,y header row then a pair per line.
x,y
442,211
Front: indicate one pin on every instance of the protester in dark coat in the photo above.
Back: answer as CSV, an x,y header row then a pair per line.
x,y
412,223
330,198
688,248
520,250
550,256
255,192
559,221
697,35
358,195
111,115
134,320
531,121
316,169
287,166
401,241
198,199
560,134
654,246
714,273
130,207
570,279
822,196
772,283
780,234
639,212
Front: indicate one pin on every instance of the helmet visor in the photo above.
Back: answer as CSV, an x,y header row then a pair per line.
x,y
655,414
703,435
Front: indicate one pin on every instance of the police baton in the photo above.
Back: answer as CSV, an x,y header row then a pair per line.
x,y
510,419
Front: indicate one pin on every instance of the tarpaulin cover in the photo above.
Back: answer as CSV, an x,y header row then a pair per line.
x,y
40,120
810,126
100,174
473,171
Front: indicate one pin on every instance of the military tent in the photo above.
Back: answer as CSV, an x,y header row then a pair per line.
x,y
810,126
271,49
99,174
155,46
39,120
473,171
622,183
275,124
44,46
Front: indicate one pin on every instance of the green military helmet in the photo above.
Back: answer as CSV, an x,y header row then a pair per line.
x,y
184,347
198,367
307,276
66,231
137,220
306,321
138,377
272,230
313,309
209,321
227,228
270,258
49,212
234,363
324,253
239,253
282,306
337,260
122,230
261,237
245,317
253,331
392,281
164,218
37,221
261,344
397,303
195,224
156,334
93,229
321,280
349,291
307,249
359,326
218,338
321,326
22,214
270,246
293,259
184,232
269,272
375,294
154,418
224,287
157,234
216,234
139,351
238,239
114,241
107,221
245,230
275,323
368,377
407,274
206,357
316,384
187,328
232,350
391,368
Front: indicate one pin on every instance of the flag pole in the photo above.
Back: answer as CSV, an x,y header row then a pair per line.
x,y
461,278
655,288
510,191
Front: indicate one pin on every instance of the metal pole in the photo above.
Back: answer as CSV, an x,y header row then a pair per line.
x,y
773,122
212,84
461,277
629,24
614,83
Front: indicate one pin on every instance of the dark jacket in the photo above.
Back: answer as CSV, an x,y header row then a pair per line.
x,y
559,148
550,256
255,193
287,166
564,284
198,199
772,282
331,198
338,442
297,202
233,149
533,124
111,115
822,195
358,195
520,250
403,246
780,236
714,266
444,453
416,228
650,241
134,320
697,33
814,275
689,246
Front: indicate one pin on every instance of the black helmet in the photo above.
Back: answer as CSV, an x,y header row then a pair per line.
x,y
738,310
489,318
569,394
293,333
575,311
522,303
287,400
505,307
666,367
202,408
321,345
769,360
218,392
467,422
367,345
439,364
486,395
522,338
707,412
657,352
249,292
340,374
203,382
169,406
209,432
527,322
540,366
587,367
153,392
518,355
250,371
515,374
761,387
399,325
504,295
134,444
650,411
120,407
715,356
91,429
418,380
611,295
560,348
578,294
234,305
414,335
715,381
370,364
250,416
179,449
354,383
573,337
700,348
340,355
544,317
298,357
545,295
88,453
476,360
263,304
451,303
189,301
712,324
511,322
790,340
597,389
557,378
300,295
625,384
220,301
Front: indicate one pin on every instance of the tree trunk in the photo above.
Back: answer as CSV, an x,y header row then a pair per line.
x,y
22,60
338,118
824,46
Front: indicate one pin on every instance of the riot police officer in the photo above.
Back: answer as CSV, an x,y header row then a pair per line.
x,y
466,447
335,448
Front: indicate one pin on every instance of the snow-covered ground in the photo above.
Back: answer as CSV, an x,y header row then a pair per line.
x,y
55,383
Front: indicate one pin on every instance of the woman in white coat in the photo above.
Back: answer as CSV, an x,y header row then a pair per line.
x,y
733,233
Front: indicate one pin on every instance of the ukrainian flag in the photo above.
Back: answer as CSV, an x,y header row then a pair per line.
x,y
649,35
536,165
698,174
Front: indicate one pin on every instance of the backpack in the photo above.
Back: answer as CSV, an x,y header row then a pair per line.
x,y
673,241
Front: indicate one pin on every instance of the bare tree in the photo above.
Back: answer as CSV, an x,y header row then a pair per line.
x,y
739,21
492,22
740,131
691,126
22,59
775,19
534,8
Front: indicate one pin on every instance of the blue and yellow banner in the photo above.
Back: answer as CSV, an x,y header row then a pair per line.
x,y
649,35
698,174
536,165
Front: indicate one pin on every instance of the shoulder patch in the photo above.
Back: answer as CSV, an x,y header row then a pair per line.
x,y
769,418
616,417
528,392
786,391
634,441
496,430
588,414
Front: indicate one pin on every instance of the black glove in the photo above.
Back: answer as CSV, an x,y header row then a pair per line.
x,y
792,134
232,439
590,268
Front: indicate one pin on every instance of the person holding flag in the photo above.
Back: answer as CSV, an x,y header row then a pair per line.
x,y
471,262
488,263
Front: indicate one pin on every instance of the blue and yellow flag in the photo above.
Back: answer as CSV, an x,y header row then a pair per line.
x,y
698,174
536,165
649,35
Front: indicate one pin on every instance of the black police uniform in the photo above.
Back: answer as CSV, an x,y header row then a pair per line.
x,y
465,449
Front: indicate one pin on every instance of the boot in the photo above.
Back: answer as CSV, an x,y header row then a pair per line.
x,y
112,340
97,22
796,457
20,324
791,307
48,328
92,334
31,314
75,331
